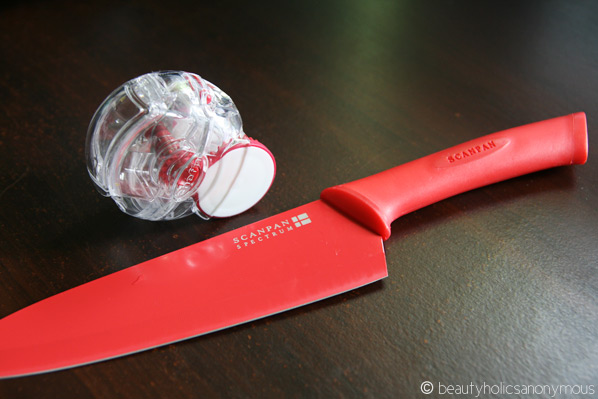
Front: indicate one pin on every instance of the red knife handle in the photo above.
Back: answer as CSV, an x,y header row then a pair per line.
x,y
376,201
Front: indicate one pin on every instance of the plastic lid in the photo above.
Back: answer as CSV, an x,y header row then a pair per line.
x,y
237,180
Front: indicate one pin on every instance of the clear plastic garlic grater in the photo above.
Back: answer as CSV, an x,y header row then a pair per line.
x,y
168,144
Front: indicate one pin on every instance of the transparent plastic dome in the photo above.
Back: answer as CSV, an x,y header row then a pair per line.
x,y
168,144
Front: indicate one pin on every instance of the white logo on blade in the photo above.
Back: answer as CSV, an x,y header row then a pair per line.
x,y
301,220
271,231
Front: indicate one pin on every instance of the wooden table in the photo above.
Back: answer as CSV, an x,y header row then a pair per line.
x,y
495,288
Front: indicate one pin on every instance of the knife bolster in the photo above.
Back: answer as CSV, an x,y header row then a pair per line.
x,y
358,207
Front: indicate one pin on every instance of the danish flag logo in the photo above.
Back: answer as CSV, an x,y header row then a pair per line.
x,y
301,220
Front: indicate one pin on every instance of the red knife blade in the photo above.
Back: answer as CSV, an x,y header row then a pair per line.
x,y
306,254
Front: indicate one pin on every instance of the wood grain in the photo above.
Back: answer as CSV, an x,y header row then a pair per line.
x,y
496,285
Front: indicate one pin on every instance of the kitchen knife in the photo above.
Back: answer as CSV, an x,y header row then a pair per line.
x,y
303,255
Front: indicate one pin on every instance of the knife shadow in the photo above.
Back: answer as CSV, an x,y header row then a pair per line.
x,y
306,310
510,191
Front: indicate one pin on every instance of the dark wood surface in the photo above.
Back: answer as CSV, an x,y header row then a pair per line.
x,y
499,285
